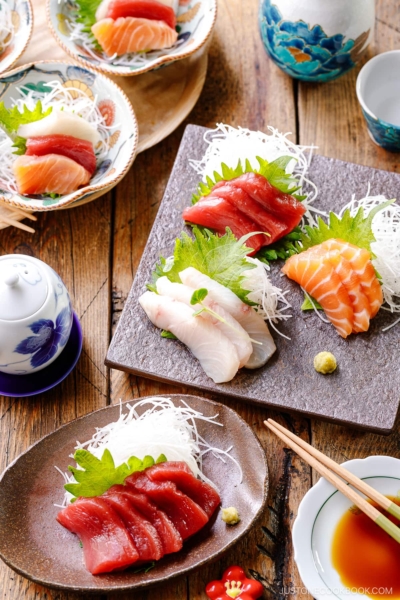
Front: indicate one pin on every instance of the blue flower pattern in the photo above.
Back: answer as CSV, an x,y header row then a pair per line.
x,y
48,337
384,134
307,53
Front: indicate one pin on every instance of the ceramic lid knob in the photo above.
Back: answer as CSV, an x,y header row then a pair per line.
x,y
11,278
23,287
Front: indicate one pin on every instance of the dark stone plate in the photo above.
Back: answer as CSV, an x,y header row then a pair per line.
x,y
364,391
36,546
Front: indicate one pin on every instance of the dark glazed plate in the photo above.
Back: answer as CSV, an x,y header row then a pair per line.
x,y
36,546
363,391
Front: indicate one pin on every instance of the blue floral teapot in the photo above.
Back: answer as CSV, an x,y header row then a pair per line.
x,y
316,40
35,314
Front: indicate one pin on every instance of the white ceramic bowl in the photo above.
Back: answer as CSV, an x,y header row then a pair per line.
x,y
319,513
121,118
196,19
22,19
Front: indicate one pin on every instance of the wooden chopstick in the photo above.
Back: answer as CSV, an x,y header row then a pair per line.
x,y
339,484
16,224
359,484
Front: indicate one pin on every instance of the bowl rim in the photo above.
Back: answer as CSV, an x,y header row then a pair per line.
x,y
362,74
163,60
89,189
27,39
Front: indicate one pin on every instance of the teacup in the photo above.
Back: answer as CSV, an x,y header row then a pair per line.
x,y
378,92
35,314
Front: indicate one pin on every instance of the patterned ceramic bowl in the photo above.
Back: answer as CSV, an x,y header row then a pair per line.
x,y
316,40
378,92
195,22
112,103
16,15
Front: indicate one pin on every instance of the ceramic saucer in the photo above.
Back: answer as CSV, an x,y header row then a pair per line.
x,y
28,385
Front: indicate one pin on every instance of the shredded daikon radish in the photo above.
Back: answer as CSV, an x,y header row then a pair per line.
x,y
162,429
6,25
69,99
386,248
227,144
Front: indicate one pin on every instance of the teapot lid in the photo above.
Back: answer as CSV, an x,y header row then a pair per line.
x,y
23,286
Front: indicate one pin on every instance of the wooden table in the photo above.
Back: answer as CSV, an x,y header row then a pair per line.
x,y
97,247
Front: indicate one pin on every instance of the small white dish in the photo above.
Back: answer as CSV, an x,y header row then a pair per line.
x,y
22,22
319,513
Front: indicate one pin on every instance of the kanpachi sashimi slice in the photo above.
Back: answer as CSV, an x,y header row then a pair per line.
x,y
49,174
319,279
230,327
216,353
107,546
81,151
131,34
251,322
144,9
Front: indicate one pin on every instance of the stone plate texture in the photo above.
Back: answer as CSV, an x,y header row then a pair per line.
x,y
36,546
363,391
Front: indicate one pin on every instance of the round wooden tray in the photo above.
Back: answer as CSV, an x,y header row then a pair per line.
x,y
161,99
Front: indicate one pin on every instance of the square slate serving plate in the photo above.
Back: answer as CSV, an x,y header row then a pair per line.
x,y
365,389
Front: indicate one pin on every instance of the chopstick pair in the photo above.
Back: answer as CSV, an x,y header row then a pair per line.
x,y
17,212
330,470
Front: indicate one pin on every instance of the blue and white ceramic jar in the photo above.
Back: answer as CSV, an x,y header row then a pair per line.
x,y
316,40
35,314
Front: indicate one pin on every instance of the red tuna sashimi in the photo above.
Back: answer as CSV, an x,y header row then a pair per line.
x,y
283,206
170,537
144,535
179,473
186,515
252,209
145,9
107,546
218,214
81,151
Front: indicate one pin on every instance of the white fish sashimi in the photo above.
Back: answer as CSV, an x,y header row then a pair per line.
x,y
217,354
231,329
253,323
61,122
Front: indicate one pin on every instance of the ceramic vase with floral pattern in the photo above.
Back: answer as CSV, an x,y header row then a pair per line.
x,y
316,40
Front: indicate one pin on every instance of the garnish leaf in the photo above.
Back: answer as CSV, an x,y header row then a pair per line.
x,y
221,258
282,249
167,334
12,118
86,13
274,171
198,296
96,475
20,145
310,304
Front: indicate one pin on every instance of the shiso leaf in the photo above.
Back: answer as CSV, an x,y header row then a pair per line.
x,y
167,334
221,258
310,304
96,475
86,13
20,145
12,118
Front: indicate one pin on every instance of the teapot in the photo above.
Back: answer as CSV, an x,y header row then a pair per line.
x,y
35,314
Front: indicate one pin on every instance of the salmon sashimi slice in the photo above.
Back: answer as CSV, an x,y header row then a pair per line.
x,y
180,474
218,214
144,9
187,516
251,208
142,532
49,174
360,260
81,151
130,34
319,279
107,546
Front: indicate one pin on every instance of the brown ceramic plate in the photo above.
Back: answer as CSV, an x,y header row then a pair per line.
x,y
36,546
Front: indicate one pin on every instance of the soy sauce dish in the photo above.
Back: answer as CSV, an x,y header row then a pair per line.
x,y
328,527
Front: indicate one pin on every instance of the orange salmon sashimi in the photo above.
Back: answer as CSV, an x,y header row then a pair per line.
x,y
319,279
131,34
360,260
49,174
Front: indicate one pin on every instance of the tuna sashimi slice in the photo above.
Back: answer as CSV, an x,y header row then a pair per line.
x,y
218,214
170,537
107,546
130,34
179,473
144,535
81,151
50,174
144,9
187,516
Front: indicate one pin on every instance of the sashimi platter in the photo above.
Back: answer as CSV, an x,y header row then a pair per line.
x,y
267,279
